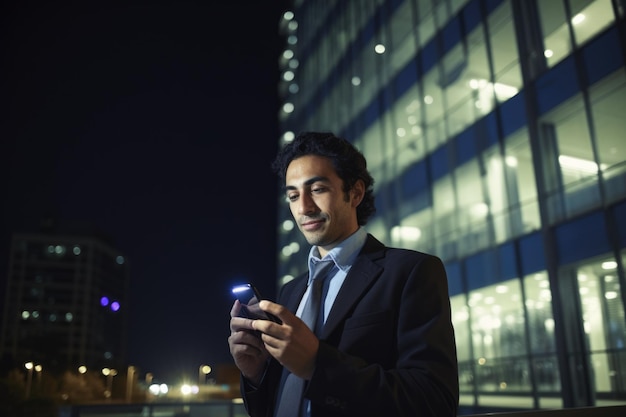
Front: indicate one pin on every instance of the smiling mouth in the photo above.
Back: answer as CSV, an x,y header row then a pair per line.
x,y
312,224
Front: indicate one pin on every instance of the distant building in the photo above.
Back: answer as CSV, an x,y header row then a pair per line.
x,y
496,133
66,303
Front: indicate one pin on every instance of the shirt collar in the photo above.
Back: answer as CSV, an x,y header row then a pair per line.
x,y
344,254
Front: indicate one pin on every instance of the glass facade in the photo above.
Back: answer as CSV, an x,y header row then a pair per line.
x,y
492,129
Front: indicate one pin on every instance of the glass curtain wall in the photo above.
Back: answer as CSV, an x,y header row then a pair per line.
x,y
467,160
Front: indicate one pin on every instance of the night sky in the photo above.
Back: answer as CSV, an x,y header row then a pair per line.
x,y
155,123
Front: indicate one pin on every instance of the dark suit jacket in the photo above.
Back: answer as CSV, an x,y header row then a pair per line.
x,y
387,348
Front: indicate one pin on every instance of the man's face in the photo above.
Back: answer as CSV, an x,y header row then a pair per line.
x,y
320,207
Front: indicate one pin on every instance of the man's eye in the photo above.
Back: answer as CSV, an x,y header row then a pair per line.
x,y
318,190
292,197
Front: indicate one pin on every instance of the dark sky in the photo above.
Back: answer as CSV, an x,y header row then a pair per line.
x,y
154,122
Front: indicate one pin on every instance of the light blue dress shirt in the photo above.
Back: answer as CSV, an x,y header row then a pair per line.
x,y
343,256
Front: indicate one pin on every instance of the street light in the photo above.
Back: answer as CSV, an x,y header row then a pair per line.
x,y
39,370
203,371
29,379
82,370
109,374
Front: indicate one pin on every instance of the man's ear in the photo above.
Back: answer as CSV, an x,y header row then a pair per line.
x,y
357,192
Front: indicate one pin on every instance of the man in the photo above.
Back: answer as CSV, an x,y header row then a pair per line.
x,y
383,343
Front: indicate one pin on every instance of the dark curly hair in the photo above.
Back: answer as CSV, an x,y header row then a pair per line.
x,y
349,164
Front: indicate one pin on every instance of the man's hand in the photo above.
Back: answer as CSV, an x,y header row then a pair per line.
x,y
246,347
292,343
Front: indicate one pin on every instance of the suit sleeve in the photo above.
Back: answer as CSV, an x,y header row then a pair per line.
x,y
259,401
423,378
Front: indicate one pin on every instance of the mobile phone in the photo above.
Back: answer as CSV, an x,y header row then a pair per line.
x,y
249,297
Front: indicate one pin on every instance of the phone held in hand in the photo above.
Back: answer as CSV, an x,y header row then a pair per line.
x,y
249,297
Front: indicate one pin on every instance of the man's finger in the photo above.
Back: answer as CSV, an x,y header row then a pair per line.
x,y
286,316
234,311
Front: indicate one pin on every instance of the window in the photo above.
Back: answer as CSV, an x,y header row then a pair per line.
x,y
460,320
415,231
541,338
521,186
587,19
426,26
603,337
410,141
445,224
590,17
499,340
556,42
607,101
571,160
465,78
506,67
403,46
434,122
472,210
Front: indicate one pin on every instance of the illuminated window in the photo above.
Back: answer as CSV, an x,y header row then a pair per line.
x,y
590,19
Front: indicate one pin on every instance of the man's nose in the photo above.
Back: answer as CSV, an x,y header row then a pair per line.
x,y
307,205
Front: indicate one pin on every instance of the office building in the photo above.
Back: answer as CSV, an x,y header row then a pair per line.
x,y
66,303
495,131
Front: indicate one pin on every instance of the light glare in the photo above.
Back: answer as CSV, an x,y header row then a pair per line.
x,y
579,18
609,265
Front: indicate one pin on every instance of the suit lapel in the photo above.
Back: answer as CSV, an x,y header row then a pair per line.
x,y
362,274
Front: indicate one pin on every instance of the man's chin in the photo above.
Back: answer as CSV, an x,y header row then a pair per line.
x,y
314,239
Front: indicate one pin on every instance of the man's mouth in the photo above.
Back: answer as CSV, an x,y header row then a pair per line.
x,y
311,225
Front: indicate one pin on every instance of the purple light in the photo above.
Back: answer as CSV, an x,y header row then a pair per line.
x,y
115,306
104,301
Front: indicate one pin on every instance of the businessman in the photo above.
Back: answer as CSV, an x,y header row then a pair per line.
x,y
367,330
